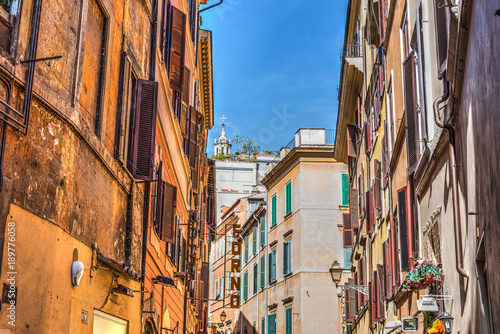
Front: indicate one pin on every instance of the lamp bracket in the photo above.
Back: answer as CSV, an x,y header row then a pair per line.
x,y
359,288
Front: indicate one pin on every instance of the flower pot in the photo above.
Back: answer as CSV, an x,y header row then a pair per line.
x,y
426,282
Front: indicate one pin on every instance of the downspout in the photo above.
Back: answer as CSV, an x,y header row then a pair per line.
x,y
454,179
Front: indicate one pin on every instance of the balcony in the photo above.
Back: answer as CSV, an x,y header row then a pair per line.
x,y
353,54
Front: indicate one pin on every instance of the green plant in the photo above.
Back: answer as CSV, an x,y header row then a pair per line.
x,y
246,144
426,271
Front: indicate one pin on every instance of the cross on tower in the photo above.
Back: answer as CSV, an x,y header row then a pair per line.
x,y
223,118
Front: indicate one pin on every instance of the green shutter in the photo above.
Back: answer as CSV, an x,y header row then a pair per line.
x,y
270,267
273,211
254,241
274,265
285,258
288,197
263,326
246,248
289,321
245,286
262,231
255,277
345,189
262,271
271,324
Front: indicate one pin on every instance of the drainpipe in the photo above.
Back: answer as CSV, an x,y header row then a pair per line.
x,y
454,179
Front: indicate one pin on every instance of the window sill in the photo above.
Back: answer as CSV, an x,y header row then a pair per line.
x,y
273,227
287,275
288,215
273,282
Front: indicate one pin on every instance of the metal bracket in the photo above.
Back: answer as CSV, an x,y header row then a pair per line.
x,y
359,288
40,59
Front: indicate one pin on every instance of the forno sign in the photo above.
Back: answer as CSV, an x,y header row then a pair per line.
x,y
236,268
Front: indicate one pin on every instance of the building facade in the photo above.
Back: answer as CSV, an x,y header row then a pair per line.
x,y
103,166
406,129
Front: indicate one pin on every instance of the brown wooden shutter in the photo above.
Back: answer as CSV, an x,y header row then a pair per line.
x,y
372,304
395,265
366,137
184,118
380,292
381,21
371,210
159,196
404,236
347,232
411,117
385,257
165,31
353,207
177,41
363,272
412,221
350,301
141,164
378,189
385,158
169,200
193,137
442,26
351,141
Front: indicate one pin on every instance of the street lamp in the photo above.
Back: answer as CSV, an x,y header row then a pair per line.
x,y
447,322
336,272
223,316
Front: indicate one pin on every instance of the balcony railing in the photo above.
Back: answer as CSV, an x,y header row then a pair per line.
x,y
353,51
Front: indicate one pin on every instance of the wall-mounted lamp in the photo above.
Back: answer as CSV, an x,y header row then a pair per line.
x,y
123,290
223,316
77,269
447,322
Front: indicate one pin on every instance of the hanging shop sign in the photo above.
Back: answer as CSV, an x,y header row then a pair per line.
x,y
427,304
235,268
410,324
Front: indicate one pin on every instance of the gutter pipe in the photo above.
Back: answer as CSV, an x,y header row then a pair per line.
x,y
454,178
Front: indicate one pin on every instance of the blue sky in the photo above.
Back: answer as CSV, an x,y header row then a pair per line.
x,y
276,67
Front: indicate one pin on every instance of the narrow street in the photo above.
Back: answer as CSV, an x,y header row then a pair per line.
x,y
249,167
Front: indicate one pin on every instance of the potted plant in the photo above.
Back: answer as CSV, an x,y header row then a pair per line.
x,y
422,274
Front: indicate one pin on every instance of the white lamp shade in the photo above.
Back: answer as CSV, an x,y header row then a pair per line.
x,y
77,272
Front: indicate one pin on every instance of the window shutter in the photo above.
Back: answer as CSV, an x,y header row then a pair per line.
x,y
246,248
381,20
367,139
353,208
351,140
411,117
184,118
255,277
159,195
345,189
289,321
364,282
169,195
288,197
380,292
357,294
245,286
262,231
285,258
403,229
141,165
412,218
274,264
193,138
273,212
387,268
254,239
272,324
270,267
395,266
350,309
442,26
385,157
176,54
347,231
262,272
165,32
373,306
378,189
370,212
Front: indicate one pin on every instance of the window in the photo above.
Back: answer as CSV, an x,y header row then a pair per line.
x,y
164,220
263,326
6,29
222,286
229,282
216,288
262,271
94,63
273,210
271,323
107,324
254,328
255,277
288,197
345,189
245,285
254,240
262,230
289,321
347,258
272,266
287,257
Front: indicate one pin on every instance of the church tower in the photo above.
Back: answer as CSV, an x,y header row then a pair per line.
x,y
222,145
